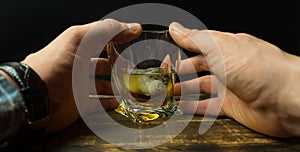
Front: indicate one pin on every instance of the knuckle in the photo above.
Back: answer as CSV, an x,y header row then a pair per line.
x,y
244,35
220,35
75,33
193,32
224,38
246,38
74,30
110,20
112,23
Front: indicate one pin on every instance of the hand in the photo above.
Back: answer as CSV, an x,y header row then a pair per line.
x,y
262,81
54,65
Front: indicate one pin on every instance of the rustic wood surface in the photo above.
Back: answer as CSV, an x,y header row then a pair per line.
x,y
225,135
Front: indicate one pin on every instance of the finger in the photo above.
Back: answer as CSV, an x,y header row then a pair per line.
x,y
213,45
206,85
194,64
115,58
208,106
166,63
181,36
100,76
96,35
100,66
203,41
132,32
103,87
108,104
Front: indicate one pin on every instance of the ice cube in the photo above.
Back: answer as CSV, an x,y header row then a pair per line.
x,y
143,83
156,86
150,86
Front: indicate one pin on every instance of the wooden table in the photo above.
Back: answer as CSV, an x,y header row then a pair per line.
x,y
225,135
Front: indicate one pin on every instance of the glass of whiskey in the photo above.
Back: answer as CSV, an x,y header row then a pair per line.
x,y
144,73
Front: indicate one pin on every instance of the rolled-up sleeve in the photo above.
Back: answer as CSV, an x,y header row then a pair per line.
x,y
11,110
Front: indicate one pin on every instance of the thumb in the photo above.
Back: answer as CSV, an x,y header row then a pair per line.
x,y
200,41
205,42
100,33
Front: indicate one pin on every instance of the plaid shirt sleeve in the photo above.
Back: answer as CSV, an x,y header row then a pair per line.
x,y
11,110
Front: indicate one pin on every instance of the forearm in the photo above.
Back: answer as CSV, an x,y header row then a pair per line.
x,y
11,108
288,103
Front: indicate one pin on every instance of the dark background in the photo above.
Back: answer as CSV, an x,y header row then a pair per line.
x,y
27,26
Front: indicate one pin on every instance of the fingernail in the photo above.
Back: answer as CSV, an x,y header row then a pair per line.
x,y
176,27
133,27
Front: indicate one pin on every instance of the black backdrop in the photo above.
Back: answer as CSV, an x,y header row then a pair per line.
x,y
27,26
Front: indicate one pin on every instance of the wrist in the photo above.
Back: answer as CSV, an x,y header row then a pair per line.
x,y
12,110
288,99
34,93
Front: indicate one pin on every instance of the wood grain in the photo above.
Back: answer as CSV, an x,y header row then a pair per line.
x,y
225,135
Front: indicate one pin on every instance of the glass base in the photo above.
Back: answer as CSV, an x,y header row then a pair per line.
x,y
139,115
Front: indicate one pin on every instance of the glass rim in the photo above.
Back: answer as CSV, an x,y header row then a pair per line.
x,y
155,31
